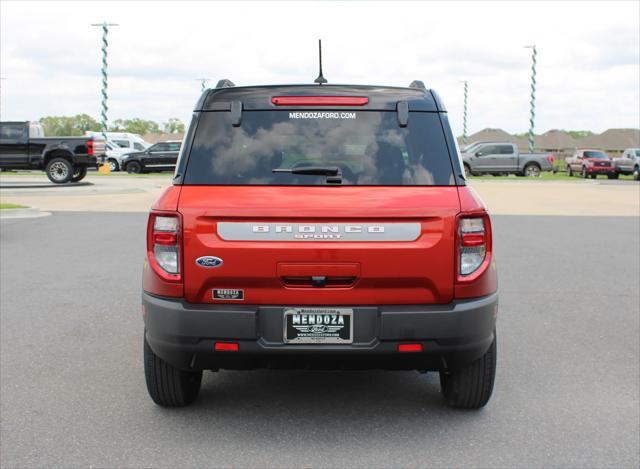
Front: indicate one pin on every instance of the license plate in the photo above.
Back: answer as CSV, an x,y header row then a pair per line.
x,y
318,326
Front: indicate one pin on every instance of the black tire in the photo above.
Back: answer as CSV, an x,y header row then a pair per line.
x,y
470,387
593,176
467,170
613,176
583,173
636,173
134,167
531,170
59,170
569,171
113,165
169,386
79,173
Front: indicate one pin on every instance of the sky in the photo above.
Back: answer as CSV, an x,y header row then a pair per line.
x,y
588,67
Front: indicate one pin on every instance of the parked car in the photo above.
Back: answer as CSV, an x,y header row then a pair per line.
x,y
64,159
161,156
321,227
629,163
115,154
126,140
590,163
504,158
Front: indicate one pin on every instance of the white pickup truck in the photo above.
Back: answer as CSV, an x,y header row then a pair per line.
x,y
499,158
629,163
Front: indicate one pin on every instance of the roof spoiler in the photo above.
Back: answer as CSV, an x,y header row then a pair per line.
x,y
418,84
225,83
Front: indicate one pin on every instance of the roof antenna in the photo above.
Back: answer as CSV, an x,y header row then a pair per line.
x,y
320,80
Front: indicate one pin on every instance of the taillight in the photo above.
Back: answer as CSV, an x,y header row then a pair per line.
x,y
474,246
89,147
550,158
163,244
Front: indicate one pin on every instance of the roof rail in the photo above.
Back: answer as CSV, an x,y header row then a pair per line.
x,y
418,84
224,83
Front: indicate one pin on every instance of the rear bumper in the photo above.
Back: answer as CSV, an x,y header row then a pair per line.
x,y
451,335
90,161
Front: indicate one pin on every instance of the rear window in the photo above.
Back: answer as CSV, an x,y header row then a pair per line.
x,y
369,147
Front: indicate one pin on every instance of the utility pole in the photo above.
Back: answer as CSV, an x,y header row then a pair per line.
x,y
103,115
203,82
533,97
464,115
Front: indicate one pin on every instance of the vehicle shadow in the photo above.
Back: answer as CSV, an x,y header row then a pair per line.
x,y
266,403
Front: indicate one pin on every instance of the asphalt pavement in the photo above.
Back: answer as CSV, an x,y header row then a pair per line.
x,y
73,392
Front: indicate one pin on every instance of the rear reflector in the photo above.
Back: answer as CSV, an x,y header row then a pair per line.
x,y
319,100
226,347
409,347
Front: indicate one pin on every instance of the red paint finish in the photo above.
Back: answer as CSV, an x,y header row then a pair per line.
x,y
413,272
319,100
423,271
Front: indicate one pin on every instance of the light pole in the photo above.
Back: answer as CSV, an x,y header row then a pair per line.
x,y
103,115
533,97
464,115
203,82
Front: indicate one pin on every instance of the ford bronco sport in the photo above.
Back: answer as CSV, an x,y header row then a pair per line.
x,y
323,227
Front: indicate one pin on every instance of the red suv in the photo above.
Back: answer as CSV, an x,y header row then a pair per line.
x,y
324,227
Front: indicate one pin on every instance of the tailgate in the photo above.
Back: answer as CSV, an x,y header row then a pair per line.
x,y
320,245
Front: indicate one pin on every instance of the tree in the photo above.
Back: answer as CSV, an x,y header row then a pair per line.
x,y
55,126
135,126
173,126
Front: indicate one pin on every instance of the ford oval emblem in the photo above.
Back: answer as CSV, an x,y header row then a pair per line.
x,y
209,261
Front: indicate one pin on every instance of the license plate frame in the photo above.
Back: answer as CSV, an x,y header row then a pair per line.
x,y
329,332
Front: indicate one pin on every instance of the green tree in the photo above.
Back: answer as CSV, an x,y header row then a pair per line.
x,y
68,125
140,126
117,126
579,133
173,126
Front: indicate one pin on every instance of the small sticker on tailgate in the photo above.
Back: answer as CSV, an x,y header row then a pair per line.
x,y
227,294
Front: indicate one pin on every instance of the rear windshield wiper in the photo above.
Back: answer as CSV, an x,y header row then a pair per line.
x,y
333,173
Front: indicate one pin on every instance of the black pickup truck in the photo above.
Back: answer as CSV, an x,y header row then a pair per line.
x,y
23,146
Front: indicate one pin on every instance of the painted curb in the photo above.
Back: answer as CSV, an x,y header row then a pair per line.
x,y
28,212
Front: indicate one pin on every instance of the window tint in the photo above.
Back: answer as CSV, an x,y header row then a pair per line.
x,y
505,149
122,143
595,154
369,147
159,147
174,146
488,150
12,131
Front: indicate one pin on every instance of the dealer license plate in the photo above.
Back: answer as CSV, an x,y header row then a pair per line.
x,y
318,326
